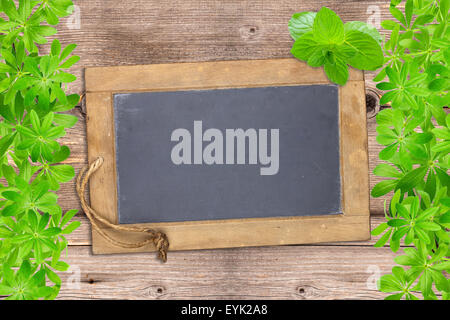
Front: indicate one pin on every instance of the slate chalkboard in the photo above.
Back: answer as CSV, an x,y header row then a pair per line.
x,y
157,183
224,154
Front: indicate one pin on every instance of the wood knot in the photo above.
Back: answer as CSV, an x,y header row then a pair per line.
x,y
372,103
249,32
306,291
162,245
157,291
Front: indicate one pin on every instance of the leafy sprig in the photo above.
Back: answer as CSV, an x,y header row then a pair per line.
x,y
33,228
415,132
322,39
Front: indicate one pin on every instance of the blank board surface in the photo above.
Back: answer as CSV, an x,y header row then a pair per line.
x,y
151,188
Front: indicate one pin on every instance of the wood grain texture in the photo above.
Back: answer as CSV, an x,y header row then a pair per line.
x,y
353,153
207,75
297,272
140,32
82,236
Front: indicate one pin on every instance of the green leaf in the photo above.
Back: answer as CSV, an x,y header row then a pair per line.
x,y
61,266
443,133
401,210
12,195
364,28
5,290
368,52
397,223
422,235
64,77
438,84
6,142
387,171
382,241
397,296
398,15
62,154
386,86
441,147
388,24
383,188
69,62
68,216
63,172
51,17
428,226
65,120
43,291
328,28
445,202
398,235
395,243
337,72
442,266
412,179
426,283
405,261
9,8
43,222
71,227
417,150
378,230
409,7
52,276
443,177
51,232
444,7
388,153
304,47
67,50
301,23
35,122
45,31
388,283
410,44
394,201
317,59
56,48
386,140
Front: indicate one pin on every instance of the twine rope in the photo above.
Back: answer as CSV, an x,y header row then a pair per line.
x,y
159,239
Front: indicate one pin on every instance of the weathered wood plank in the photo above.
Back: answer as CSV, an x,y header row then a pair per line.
x,y
298,272
143,32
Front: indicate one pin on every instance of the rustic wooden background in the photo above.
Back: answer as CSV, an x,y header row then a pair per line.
x,y
114,32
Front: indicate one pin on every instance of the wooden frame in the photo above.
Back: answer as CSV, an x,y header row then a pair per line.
x,y
352,225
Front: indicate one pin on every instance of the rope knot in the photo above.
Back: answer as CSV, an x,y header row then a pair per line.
x,y
162,245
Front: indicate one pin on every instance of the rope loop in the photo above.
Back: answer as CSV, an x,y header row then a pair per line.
x,y
159,239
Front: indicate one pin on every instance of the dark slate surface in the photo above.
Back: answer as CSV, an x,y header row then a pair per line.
x,y
153,189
